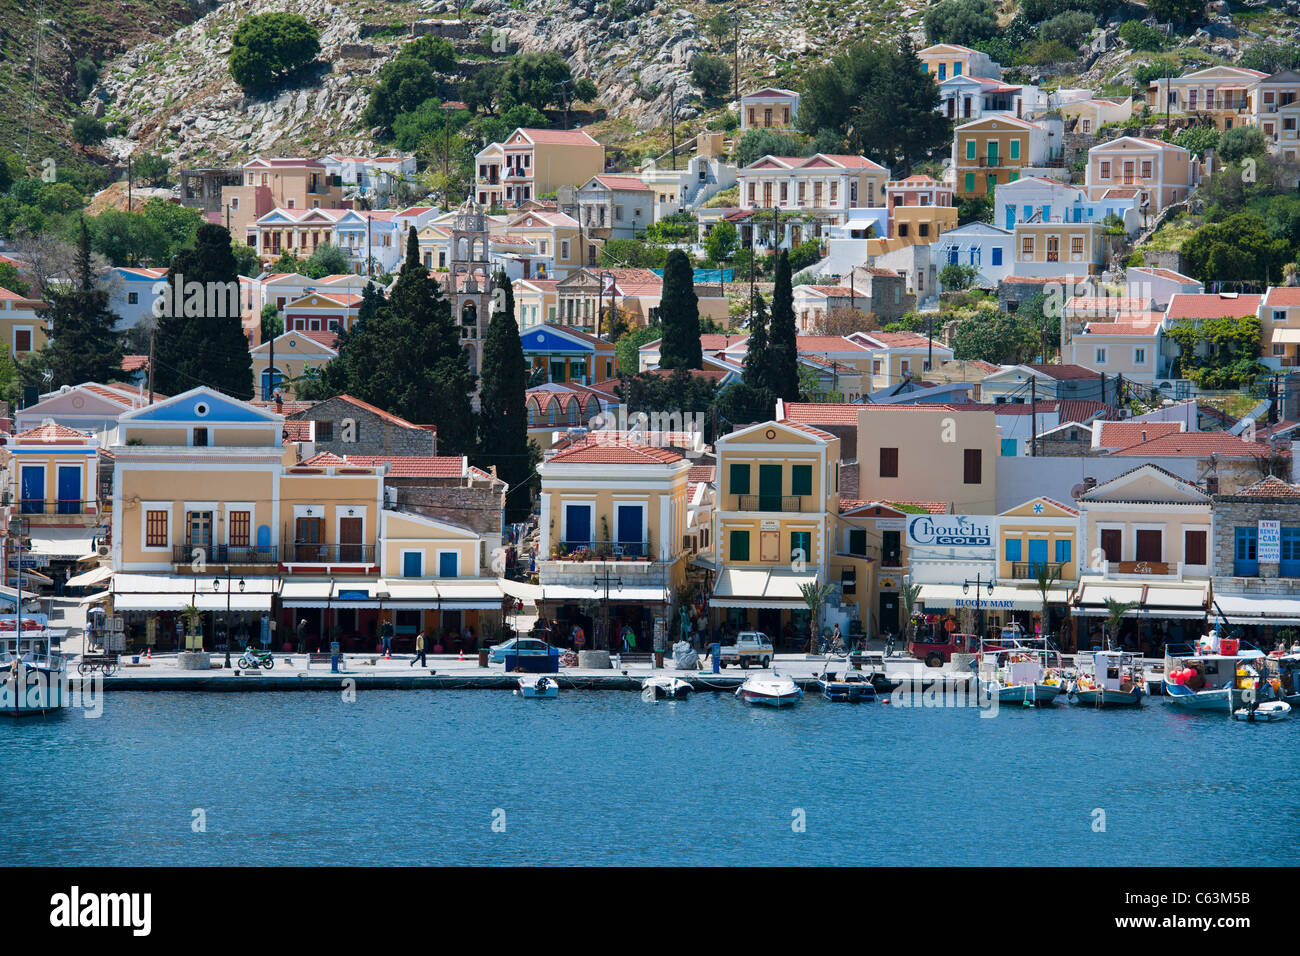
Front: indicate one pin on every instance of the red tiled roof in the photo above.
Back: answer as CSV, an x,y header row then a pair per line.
x,y
51,433
934,507
1080,410
703,474
132,363
1283,295
413,466
1270,487
1064,372
299,430
805,427
622,182
324,459
574,137
1200,445
821,413
386,416
1190,305
1127,434
595,452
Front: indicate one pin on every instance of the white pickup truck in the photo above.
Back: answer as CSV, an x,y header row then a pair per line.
x,y
751,647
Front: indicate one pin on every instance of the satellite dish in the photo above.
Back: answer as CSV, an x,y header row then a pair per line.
x,y
1078,490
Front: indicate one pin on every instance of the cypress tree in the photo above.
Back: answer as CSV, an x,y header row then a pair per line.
x,y
503,417
783,343
757,371
200,337
679,311
85,345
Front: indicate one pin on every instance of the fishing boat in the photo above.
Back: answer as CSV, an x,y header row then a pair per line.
x,y
538,687
1215,674
1264,713
770,691
1110,679
1288,667
1019,673
665,688
33,677
853,687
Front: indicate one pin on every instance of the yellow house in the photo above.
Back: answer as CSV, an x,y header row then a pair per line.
x,y
775,529
612,546
945,60
1221,95
995,150
1162,173
537,162
22,329
1041,532
557,237
1059,248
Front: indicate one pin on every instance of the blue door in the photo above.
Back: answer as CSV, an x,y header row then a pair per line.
x,y
1011,216
447,564
33,490
577,526
412,564
69,489
631,530
1037,553
1245,562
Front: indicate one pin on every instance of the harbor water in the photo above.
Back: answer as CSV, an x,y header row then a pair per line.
x,y
483,777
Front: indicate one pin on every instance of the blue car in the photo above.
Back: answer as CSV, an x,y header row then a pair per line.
x,y
528,647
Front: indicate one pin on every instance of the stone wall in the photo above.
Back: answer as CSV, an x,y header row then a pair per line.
x,y
1231,513
372,434
478,508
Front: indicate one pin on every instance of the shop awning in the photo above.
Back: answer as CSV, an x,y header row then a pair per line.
x,y
520,589
1154,600
61,542
87,578
407,597
641,595
469,594
769,588
306,593
1289,336
95,598
1004,597
1258,608
166,592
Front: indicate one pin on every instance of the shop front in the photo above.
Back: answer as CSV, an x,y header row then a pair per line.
x,y
987,609
1161,613
762,599
1264,620
231,610
604,614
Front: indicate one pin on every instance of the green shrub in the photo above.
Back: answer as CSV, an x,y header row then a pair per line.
x,y
1141,36
267,46
1069,28
88,131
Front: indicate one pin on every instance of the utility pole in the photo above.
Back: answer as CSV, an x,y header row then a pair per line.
x,y
735,58
130,183
1033,417
672,126
152,334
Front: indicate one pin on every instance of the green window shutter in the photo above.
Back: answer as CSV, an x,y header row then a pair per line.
x,y
738,546
801,480
970,182
858,541
801,545
740,479
1015,149
970,149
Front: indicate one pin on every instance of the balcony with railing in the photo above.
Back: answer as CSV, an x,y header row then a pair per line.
x,y
761,502
1028,570
235,555
55,506
601,550
315,552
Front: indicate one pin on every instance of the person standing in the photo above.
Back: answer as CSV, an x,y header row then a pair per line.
x,y
629,638
302,636
386,633
419,651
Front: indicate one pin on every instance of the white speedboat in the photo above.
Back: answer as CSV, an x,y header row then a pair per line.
x,y
1110,679
1264,713
665,688
1214,675
538,687
770,691
33,678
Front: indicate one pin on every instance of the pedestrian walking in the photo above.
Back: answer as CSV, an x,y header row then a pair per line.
x,y
419,651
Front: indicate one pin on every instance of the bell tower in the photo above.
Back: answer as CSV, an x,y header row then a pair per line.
x,y
471,278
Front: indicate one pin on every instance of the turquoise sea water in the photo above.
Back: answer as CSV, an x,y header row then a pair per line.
x,y
603,777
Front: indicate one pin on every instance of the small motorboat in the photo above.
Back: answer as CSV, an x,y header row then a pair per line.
x,y
665,688
853,687
538,687
1264,713
770,691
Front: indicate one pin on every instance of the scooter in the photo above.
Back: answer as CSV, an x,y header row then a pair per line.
x,y
253,659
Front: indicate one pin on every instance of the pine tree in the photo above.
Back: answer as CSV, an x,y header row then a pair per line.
x,y
200,337
679,311
85,344
783,343
406,358
503,417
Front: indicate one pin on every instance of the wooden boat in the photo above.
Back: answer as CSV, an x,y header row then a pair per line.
x,y
538,687
769,691
665,688
1113,679
1018,674
1264,713
1214,676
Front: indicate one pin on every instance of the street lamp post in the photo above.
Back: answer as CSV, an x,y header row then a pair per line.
x,y
604,580
988,586
216,587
